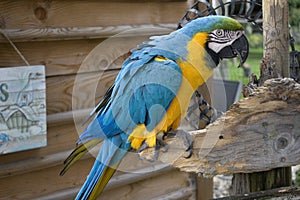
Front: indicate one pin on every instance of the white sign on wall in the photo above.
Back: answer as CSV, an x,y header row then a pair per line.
x,y
22,108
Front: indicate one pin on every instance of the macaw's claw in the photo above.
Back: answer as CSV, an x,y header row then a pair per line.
x,y
161,145
190,150
151,153
185,136
170,134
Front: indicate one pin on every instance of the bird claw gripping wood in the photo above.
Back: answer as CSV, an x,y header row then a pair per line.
x,y
151,154
207,115
185,136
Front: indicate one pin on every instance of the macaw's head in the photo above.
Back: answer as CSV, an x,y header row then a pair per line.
x,y
222,37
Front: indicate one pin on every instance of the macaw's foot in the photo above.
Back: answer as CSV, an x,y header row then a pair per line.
x,y
185,136
151,153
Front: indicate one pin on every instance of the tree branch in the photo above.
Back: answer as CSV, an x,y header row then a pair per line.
x,y
258,133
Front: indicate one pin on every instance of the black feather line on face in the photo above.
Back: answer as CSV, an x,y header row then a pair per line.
x,y
213,55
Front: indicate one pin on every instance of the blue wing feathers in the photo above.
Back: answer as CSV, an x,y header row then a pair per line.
x,y
142,92
154,83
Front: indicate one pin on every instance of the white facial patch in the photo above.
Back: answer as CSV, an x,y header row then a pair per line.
x,y
218,39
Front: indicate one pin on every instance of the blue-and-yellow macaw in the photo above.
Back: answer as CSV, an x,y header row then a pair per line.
x,y
152,92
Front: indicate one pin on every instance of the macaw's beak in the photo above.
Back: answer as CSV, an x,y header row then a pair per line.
x,y
240,48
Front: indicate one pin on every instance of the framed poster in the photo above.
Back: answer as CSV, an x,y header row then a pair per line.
x,y
22,108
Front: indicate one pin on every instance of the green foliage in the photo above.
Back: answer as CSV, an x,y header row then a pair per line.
x,y
294,12
297,180
294,3
253,61
255,40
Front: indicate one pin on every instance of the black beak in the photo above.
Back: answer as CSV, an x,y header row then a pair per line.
x,y
240,48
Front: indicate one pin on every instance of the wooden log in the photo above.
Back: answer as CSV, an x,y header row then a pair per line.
x,y
258,133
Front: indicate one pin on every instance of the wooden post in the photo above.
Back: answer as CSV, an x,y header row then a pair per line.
x,y
276,34
276,52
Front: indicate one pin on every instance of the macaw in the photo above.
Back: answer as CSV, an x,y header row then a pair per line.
x,y
152,91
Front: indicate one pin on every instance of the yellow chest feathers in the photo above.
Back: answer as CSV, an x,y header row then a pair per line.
x,y
195,73
195,69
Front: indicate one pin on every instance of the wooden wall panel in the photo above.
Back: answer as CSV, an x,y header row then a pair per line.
x,y
34,13
63,61
72,33
62,97
153,188
60,35
60,58
66,57
61,139
36,183
47,184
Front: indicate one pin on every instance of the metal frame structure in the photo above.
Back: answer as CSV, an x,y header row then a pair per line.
x,y
239,9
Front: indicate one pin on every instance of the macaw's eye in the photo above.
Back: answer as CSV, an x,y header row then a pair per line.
x,y
219,32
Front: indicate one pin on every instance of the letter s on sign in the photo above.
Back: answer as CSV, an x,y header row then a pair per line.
x,y
3,92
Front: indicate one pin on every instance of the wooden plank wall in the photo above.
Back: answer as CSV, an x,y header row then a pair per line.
x,y
59,35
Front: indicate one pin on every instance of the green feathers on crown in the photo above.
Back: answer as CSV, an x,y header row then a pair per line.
x,y
210,23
